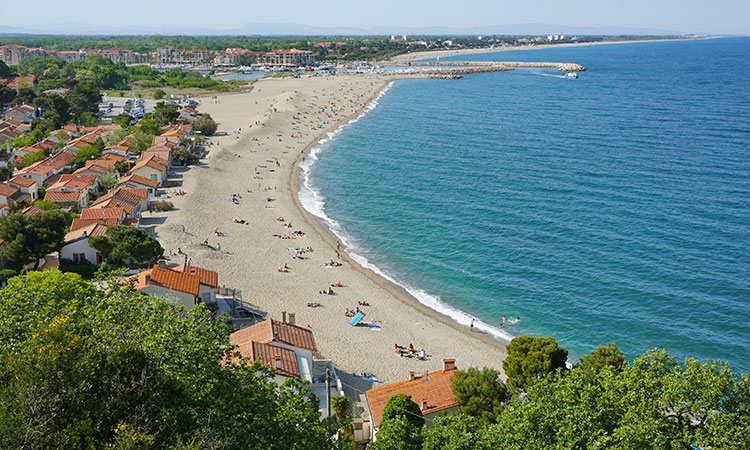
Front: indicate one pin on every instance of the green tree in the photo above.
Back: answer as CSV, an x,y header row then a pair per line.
x,y
530,358
45,205
6,173
653,403
402,405
29,239
340,405
147,126
159,94
165,113
123,120
479,393
453,432
108,181
86,154
397,433
84,366
31,158
205,125
604,356
123,243
7,95
4,70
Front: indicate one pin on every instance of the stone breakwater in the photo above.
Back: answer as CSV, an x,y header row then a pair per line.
x,y
491,66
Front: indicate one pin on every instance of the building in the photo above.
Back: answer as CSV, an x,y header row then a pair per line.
x,y
24,113
185,286
26,186
139,182
288,58
76,246
432,392
13,54
152,168
288,349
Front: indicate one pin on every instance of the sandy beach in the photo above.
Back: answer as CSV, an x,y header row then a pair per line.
x,y
262,137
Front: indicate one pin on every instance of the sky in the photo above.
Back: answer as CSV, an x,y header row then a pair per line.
x,y
686,16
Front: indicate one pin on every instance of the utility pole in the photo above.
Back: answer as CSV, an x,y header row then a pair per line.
x,y
328,394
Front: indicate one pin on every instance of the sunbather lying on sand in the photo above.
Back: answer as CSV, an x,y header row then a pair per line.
x,y
285,268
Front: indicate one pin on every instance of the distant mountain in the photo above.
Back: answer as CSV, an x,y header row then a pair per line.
x,y
269,29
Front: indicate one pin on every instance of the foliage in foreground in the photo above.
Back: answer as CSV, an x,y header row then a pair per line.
x,y
83,366
652,402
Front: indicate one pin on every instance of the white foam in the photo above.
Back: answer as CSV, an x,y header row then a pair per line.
x,y
314,203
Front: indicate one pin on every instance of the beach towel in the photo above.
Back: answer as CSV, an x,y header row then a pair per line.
x,y
356,319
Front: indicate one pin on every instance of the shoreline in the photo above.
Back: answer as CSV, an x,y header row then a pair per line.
x,y
329,237
429,54
250,255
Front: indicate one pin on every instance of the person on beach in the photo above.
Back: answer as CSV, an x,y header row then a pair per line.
x,y
471,327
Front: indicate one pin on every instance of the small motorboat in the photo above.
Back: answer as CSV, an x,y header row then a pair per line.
x,y
571,75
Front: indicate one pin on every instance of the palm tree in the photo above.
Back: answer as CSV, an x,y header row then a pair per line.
x,y
340,405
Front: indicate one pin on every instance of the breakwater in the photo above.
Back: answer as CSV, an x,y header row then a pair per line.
x,y
455,69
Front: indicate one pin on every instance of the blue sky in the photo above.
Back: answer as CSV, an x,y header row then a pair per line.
x,y
710,16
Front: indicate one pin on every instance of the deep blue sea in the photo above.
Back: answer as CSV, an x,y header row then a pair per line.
x,y
613,207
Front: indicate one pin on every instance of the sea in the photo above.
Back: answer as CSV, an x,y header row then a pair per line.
x,y
610,208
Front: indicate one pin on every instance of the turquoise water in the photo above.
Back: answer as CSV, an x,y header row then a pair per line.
x,y
614,207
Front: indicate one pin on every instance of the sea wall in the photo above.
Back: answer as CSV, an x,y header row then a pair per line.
x,y
498,66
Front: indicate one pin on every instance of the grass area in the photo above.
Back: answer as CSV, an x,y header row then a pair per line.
x,y
141,92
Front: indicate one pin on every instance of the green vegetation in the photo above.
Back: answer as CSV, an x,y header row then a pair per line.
x,y
29,239
165,113
31,158
480,393
401,426
205,125
102,366
159,94
530,358
122,244
652,402
161,206
87,153
7,95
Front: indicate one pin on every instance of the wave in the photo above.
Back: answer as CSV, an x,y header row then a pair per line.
x,y
314,203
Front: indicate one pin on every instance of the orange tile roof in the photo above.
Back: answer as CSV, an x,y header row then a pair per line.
x,y
102,213
266,355
140,180
113,203
32,211
154,162
141,193
7,190
207,277
434,388
94,229
274,331
21,181
63,196
81,223
77,181
175,280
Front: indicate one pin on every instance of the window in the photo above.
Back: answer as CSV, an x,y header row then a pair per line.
x,y
153,177
75,258
99,258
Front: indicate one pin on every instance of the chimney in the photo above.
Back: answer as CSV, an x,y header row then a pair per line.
x,y
102,221
449,364
411,375
291,318
277,362
283,316
424,405
162,263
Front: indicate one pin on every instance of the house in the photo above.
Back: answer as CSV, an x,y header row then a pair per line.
x,y
133,200
73,182
57,91
10,194
42,171
120,150
76,244
67,200
10,132
19,153
139,182
78,143
25,185
162,152
185,286
152,168
18,124
25,113
288,349
97,167
432,392
31,211
117,213
83,223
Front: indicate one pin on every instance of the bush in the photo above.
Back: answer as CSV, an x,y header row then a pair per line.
x,y
85,269
159,94
161,206
205,125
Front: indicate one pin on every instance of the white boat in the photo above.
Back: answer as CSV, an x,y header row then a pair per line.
x,y
571,75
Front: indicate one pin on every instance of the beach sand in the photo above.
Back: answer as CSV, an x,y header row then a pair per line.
x,y
250,255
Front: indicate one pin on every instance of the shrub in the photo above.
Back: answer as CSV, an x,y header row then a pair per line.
x,y
159,94
161,206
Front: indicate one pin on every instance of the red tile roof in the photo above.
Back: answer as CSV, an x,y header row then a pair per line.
x,y
102,213
175,280
81,223
63,197
274,331
433,388
154,162
207,277
266,355
21,181
94,229
7,190
32,211
139,180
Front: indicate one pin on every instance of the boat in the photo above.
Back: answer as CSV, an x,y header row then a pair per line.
x,y
571,75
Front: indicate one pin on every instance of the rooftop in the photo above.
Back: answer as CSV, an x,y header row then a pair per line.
x,y
274,331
